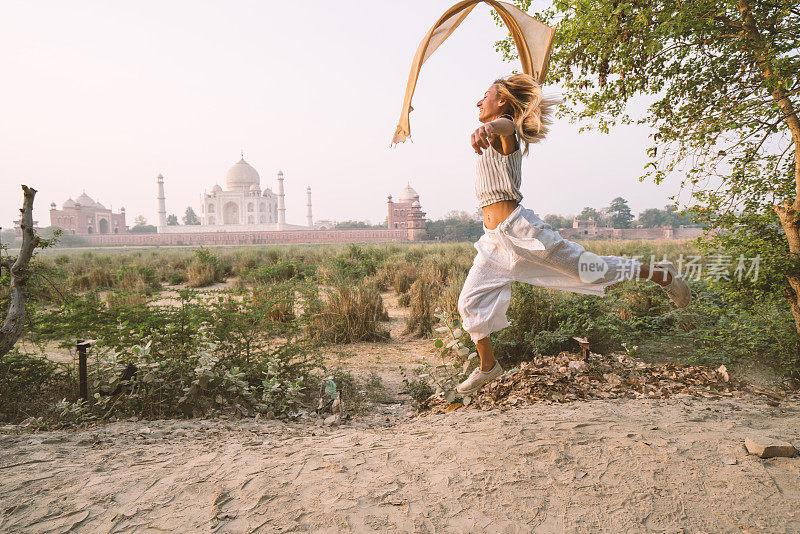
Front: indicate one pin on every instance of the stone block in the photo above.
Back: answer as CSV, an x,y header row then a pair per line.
x,y
765,447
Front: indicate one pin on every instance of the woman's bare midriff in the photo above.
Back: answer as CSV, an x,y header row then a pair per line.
x,y
494,214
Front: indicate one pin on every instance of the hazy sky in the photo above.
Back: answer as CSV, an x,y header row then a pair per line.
x,y
103,96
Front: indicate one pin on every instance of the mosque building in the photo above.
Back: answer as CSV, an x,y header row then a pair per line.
x,y
85,216
241,207
407,214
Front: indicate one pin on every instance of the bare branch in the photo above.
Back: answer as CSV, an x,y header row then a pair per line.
x,y
15,317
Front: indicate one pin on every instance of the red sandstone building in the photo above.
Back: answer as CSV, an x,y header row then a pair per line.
x,y
84,216
407,214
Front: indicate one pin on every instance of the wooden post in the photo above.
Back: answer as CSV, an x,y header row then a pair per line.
x,y
584,343
83,381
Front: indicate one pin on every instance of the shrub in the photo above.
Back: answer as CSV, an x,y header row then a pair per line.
x,y
454,358
403,277
422,301
138,278
120,299
29,384
199,357
351,314
543,321
356,393
177,278
97,277
417,385
282,271
205,268
347,269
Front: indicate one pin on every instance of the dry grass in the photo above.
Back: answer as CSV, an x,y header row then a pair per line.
x,y
351,314
201,275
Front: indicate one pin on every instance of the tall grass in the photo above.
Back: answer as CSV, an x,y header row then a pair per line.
x,y
351,314
205,268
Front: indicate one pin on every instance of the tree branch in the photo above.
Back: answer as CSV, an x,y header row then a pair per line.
x,y
777,89
15,317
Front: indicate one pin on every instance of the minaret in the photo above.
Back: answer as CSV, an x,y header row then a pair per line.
x,y
162,205
309,217
281,202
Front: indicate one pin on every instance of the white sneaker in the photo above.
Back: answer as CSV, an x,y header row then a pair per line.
x,y
678,290
478,378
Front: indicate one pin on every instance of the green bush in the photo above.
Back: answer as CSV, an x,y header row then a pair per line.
x,y
282,271
418,387
30,385
138,278
356,392
202,356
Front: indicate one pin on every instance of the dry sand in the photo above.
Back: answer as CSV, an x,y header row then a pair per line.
x,y
621,466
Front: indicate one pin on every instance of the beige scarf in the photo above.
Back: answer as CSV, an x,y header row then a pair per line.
x,y
534,42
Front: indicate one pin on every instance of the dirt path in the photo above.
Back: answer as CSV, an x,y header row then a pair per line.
x,y
621,466
385,358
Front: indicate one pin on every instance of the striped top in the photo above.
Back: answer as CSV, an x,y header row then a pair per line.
x,y
499,177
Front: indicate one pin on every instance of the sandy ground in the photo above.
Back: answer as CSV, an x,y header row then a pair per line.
x,y
675,465
621,466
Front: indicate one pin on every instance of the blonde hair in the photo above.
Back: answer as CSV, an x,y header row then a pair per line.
x,y
531,112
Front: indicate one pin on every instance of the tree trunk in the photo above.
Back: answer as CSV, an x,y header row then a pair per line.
x,y
15,316
791,225
789,211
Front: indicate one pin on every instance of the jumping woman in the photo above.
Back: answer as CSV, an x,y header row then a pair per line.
x,y
517,246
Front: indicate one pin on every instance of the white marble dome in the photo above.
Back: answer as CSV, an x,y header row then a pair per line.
x,y
68,204
408,194
241,176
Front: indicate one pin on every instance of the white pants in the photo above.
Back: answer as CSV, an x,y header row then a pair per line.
x,y
523,248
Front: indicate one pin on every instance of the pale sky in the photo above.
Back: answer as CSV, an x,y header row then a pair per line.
x,y
103,96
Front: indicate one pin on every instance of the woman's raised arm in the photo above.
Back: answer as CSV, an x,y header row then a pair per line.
x,y
502,127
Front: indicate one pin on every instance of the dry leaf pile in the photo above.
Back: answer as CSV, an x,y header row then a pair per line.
x,y
568,377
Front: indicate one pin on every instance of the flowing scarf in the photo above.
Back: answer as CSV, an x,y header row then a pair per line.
x,y
534,42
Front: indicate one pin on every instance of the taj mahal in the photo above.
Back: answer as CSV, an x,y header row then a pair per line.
x,y
241,206
241,213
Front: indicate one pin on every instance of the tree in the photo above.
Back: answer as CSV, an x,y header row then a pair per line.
x,y
456,226
14,323
723,81
619,212
651,217
140,226
349,225
190,217
591,213
557,221
172,220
